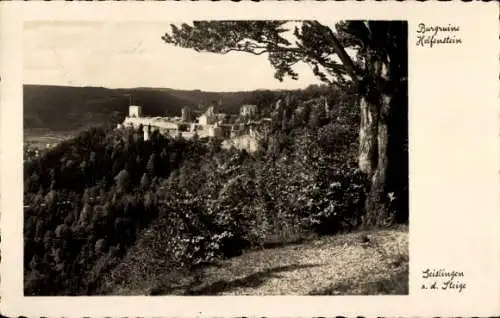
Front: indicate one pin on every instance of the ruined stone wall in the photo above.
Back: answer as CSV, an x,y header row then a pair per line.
x,y
137,121
248,142
247,138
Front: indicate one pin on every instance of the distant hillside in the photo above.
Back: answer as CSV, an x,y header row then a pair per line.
x,y
231,101
66,108
63,108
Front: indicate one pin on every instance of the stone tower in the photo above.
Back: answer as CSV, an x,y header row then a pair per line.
x,y
248,111
134,111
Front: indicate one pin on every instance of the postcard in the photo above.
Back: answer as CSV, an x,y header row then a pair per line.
x,y
273,159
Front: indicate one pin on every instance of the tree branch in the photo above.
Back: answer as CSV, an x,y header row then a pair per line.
x,y
244,50
339,49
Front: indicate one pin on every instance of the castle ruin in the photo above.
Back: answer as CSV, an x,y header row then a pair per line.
x,y
134,111
209,124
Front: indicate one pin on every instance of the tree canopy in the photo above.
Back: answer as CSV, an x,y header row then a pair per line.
x,y
323,49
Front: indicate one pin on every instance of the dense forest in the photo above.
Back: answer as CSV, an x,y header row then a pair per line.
x,y
107,208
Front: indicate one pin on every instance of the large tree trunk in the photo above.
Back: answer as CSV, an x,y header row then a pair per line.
x,y
373,157
377,211
367,157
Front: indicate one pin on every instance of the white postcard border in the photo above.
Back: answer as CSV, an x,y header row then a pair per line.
x,y
454,152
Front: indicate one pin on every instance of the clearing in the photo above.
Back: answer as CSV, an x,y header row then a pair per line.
x,y
359,263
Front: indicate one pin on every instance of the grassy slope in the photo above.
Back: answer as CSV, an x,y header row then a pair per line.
x,y
341,264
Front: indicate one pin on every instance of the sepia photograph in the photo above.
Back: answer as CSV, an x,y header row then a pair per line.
x,y
249,159
215,157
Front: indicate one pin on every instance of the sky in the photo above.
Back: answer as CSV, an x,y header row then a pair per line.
x,y
132,54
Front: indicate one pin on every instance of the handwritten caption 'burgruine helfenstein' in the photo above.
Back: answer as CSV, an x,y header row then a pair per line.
x,y
441,279
430,36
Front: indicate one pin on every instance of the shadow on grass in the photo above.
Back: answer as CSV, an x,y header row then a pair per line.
x,y
278,244
253,280
397,284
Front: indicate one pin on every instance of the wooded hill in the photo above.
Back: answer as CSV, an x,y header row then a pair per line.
x,y
66,108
